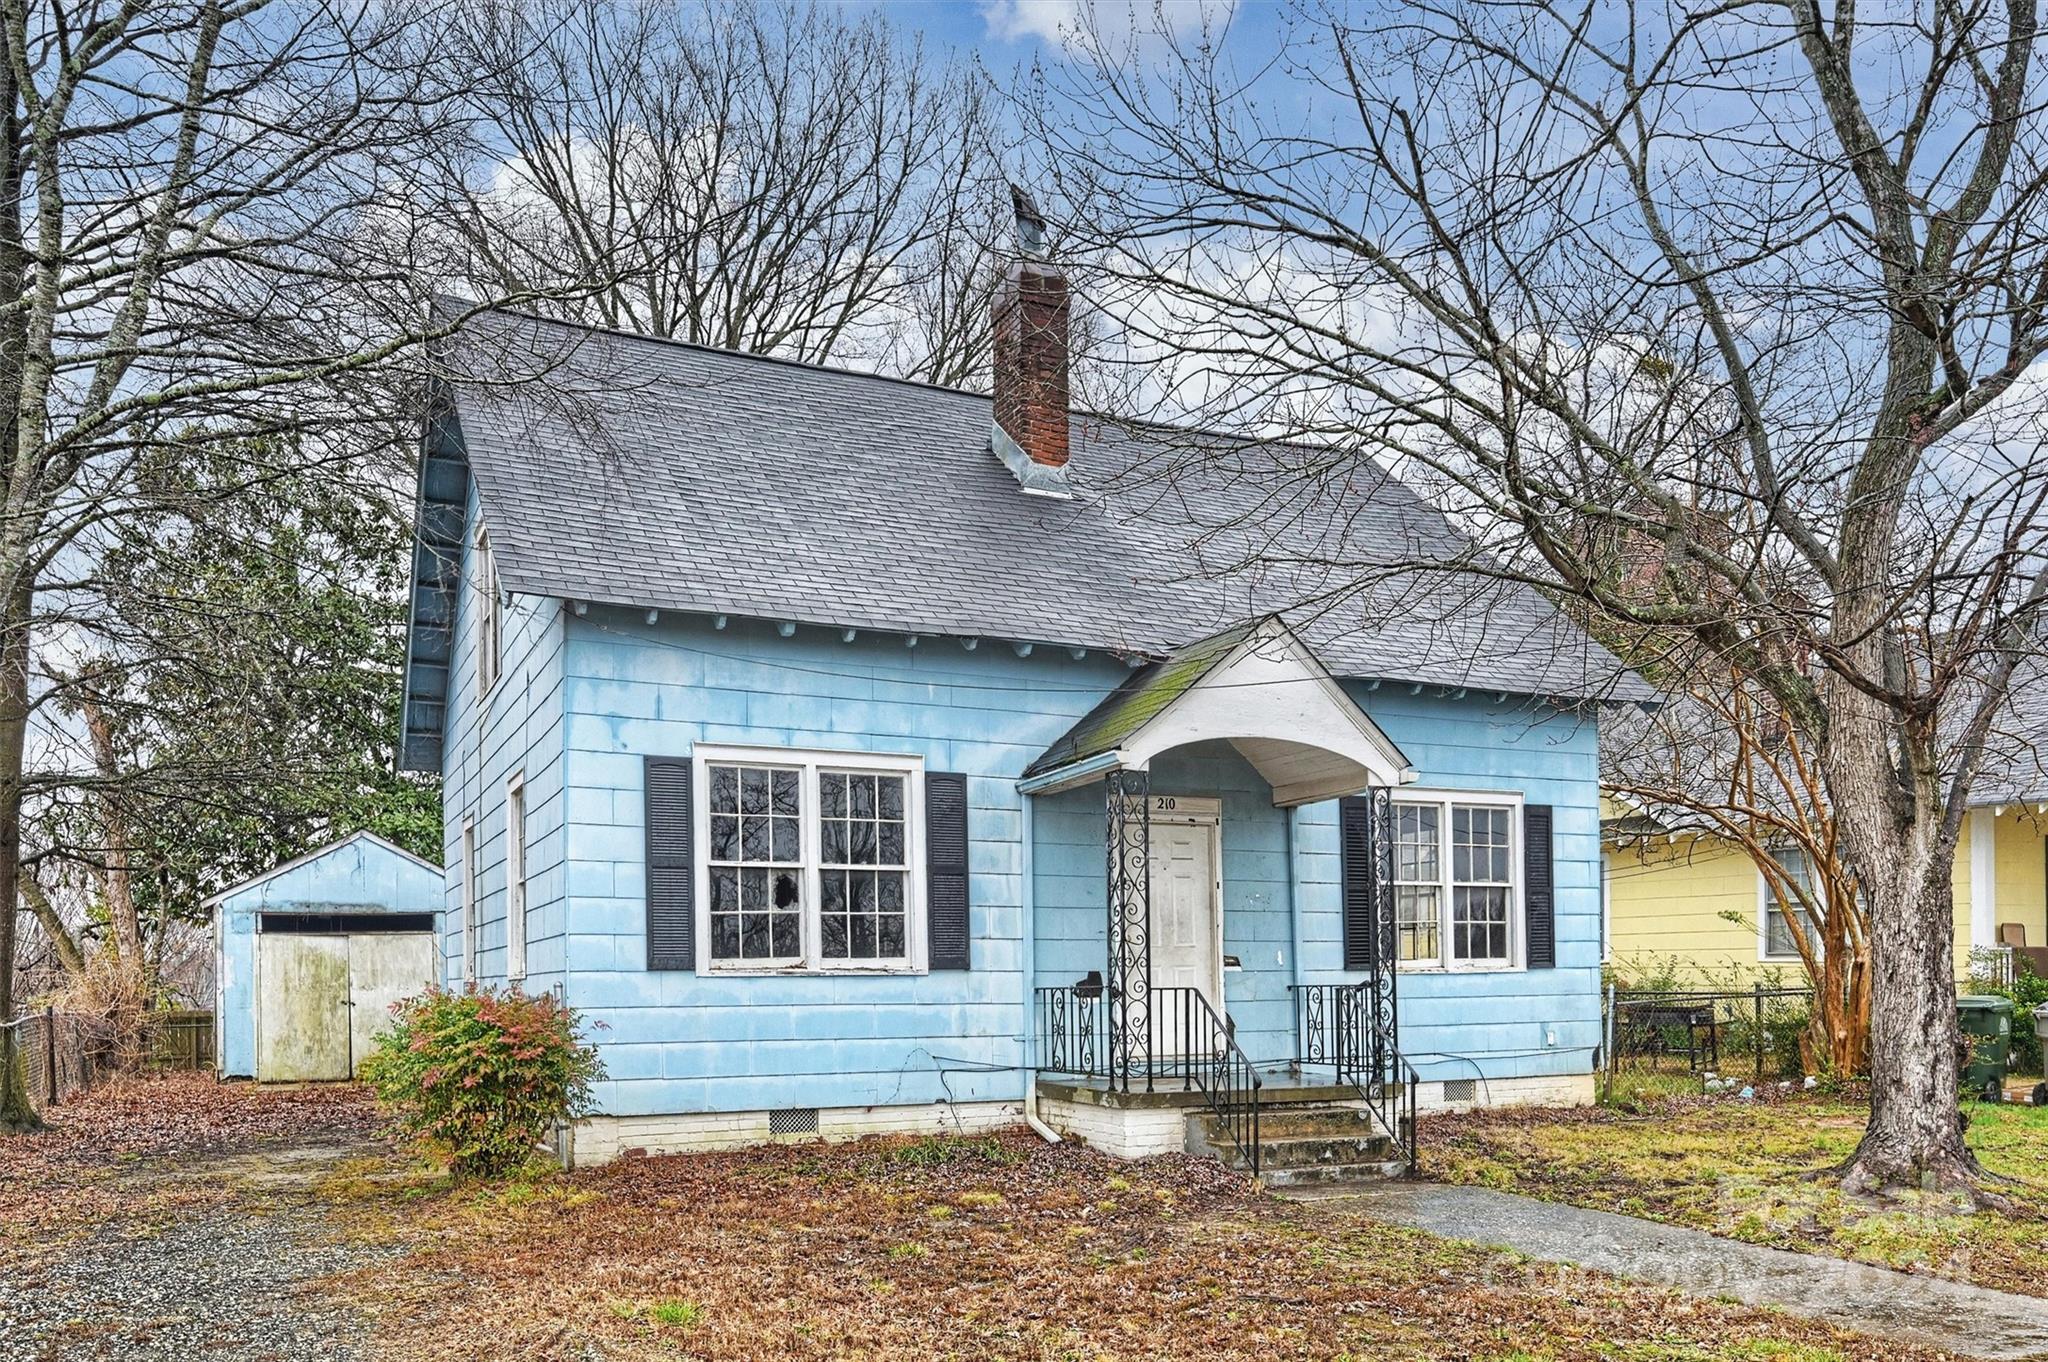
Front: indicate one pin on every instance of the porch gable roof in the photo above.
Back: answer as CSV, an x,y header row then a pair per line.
x,y
1304,734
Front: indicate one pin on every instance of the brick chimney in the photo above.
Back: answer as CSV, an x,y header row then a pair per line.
x,y
1030,342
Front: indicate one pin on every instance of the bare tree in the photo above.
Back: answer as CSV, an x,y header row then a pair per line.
x,y
1719,760
773,177
1760,283
212,223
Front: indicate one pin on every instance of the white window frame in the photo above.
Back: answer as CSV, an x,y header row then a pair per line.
x,y
515,878
468,901
1444,800
810,761
490,640
1766,904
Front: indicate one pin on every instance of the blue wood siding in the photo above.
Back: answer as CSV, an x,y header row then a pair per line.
x,y
1454,1025
1069,867
1490,1025
586,698
517,727
680,1042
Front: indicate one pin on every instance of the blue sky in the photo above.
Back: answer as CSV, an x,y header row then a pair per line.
x,y
1007,32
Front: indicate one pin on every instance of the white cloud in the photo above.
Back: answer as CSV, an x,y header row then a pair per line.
x,y
1061,22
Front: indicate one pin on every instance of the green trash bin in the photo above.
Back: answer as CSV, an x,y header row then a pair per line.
x,y
1987,1021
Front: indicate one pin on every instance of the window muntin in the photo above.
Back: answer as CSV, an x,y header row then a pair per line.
x,y
808,860
1457,881
1418,881
863,873
1778,942
1482,883
756,860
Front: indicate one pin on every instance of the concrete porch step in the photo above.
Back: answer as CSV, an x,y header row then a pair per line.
x,y
1334,1175
1320,1144
1326,1120
1323,1153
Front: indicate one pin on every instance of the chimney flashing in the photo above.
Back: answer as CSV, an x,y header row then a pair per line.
x,y
1037,479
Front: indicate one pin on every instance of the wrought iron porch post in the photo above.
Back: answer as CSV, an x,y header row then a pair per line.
x,y
1127,800
1386,933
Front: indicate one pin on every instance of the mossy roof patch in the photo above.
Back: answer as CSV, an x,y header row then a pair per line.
x,y
1143,697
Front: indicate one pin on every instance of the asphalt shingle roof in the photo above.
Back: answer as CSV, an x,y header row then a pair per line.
x,y
670,476
1687,747
1140,699
2015,769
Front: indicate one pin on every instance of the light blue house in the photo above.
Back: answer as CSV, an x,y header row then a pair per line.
x,y
309,956
862,755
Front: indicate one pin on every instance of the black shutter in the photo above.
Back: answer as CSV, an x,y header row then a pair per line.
x,y
671,879
1539,893
945,883
1354,832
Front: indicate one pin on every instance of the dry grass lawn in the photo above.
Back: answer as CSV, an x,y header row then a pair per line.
x,y
1757,1172
905,1250
994,1248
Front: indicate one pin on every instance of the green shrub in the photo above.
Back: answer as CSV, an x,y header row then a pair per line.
x,y
477,1077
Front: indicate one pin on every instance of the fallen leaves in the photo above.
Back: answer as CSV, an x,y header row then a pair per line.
x,y
813,1251
76,1174
895,1250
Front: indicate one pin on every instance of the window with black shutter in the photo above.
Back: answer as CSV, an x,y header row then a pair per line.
x,y
1454,879
946,908
779,860
1539,891
671,874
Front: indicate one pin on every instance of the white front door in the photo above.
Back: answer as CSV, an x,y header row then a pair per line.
x,y
1187,947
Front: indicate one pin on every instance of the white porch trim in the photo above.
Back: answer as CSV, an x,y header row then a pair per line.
x,y
1272,700
1984,877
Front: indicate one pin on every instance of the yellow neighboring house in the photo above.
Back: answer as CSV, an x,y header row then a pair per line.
x,y
1701,901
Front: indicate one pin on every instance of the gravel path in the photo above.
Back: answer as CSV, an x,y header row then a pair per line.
x,y
1954,1316
231,1281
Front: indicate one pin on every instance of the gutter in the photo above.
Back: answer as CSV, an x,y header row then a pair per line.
x,y
1073,773
1029,967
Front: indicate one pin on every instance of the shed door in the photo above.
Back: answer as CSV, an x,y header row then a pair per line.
x,y
383,968
302,988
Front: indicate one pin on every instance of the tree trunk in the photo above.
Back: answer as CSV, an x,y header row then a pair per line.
x,y
127,987
16,1111
1915,1135
1886,787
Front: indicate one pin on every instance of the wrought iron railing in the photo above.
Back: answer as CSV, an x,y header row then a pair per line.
x,y
1202,1050
1188,1042
1073,1030
1337,1026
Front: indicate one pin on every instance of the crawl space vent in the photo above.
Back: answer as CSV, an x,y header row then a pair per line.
x,y
793,1121
1460,1089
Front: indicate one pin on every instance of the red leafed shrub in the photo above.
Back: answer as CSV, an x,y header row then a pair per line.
x,y
477,1077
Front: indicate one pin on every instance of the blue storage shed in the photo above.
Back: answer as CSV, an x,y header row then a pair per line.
x,y
309,957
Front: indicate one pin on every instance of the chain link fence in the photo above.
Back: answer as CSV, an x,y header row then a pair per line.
x,y
66,1053
1663,1042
